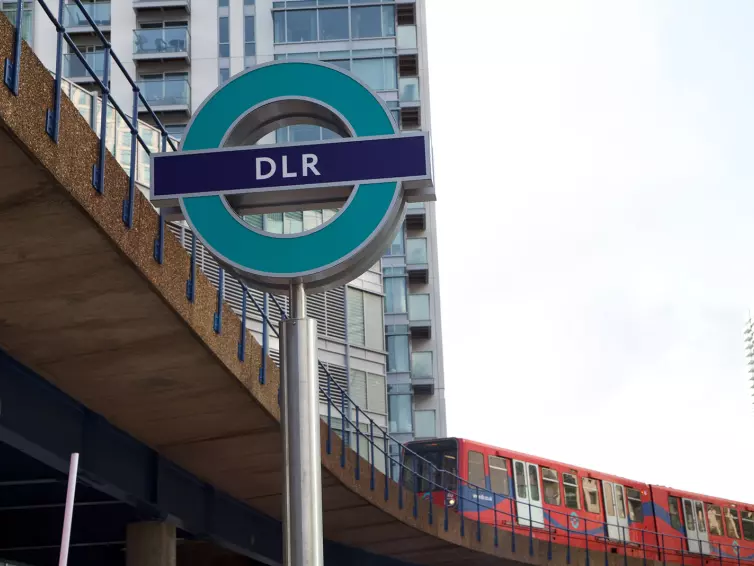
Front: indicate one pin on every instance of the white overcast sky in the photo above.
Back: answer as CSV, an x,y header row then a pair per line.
x,y
595,175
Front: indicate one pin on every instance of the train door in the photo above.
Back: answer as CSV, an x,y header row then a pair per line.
x,y
615,511
528,495
697,536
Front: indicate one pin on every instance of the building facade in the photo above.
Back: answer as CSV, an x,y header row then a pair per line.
x,y
384,329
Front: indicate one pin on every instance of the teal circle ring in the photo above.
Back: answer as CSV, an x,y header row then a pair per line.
x,y
333,253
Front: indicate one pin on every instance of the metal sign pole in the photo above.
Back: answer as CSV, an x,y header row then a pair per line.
x,y
302,497
73,472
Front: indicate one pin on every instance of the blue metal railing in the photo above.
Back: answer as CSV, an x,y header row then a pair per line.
x,y
422,478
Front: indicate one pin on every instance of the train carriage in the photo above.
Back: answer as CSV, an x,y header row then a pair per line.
x,y
578,507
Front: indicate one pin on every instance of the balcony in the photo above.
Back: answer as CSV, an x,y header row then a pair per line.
x,y
407,41
417,264
416,216
153,5
74,70
419,323
166,95
422,379
408,91
162,44
75,21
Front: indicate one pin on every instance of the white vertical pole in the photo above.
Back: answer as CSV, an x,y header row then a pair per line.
x,y
68,517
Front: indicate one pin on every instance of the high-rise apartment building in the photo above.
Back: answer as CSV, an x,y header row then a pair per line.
x,y
384,330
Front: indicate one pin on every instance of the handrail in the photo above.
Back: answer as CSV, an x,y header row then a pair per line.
x,y
422,471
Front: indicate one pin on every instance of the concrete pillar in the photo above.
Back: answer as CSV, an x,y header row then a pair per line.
x,y
150,544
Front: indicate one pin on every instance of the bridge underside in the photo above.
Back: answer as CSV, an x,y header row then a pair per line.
x,y
84,304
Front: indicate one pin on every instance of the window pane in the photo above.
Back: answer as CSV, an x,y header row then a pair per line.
x,y
635,510
688,510
248,28
715,520
293,222
358,388
551,486
476,469
304,132
371,71
520,480
700,524
400,413
416,250
609,499
312,219
279,21
376,396
421,364
301,26
396,248
366,22
395,294
533,483
355,316
418,307
374,327
591,495
620,501
424,422
748,524
675,520
333,24
571,490
499,475
397,353
224,31
388,21
274,222
731,522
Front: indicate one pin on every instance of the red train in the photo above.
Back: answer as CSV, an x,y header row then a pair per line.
x,y
579,507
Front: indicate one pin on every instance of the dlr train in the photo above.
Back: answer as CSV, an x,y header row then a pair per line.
x,y
579,507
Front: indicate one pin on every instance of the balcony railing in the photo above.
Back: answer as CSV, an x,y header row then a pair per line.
x,y
416,251
166,92
74,69
161,41
408,87
99,12
406,37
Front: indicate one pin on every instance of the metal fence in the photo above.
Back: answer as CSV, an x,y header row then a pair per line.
x,y
344,418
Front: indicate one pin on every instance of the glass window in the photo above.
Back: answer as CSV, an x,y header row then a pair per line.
x,y
301,25
376,395
333,24
421,364
620,501
551,486
395,294
731,522
700,523
358,388
715,520
675,518
279,23
416,250
418,307
249,36
273,222
747,519
304,133
355,316
400,413
499,475
372,21
591,495
224,36
293,222
248,2
223,3
635,509
312,219
396,248
425,424
520,474
397,353
607,488
374,326
476,469
688,513
379,74
571,491
224,75
533,483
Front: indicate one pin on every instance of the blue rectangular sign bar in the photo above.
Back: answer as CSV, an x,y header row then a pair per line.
x,y
330,163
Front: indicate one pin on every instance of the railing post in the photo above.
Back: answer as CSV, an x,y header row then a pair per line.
x,y
400,484
643,549
190,283
358,446
52,125
343,429
586,539
265,338
217,325
328,443
625,550
531,531
478,517
371,448
494,514
513,524
446,493
388,467
738,555
461,497
416,486
605,533
431,487
720,552
159,243
98,171
662,546
242,337
549,538
13,66
568,539
128,204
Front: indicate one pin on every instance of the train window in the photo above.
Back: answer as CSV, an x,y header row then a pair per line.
x,y
635,510
591,495
675,518
620,501
747,518
551,486
499,475
476,469
607,489
533,483
715,520
700,524
571,490
521,480
731,522
688,512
